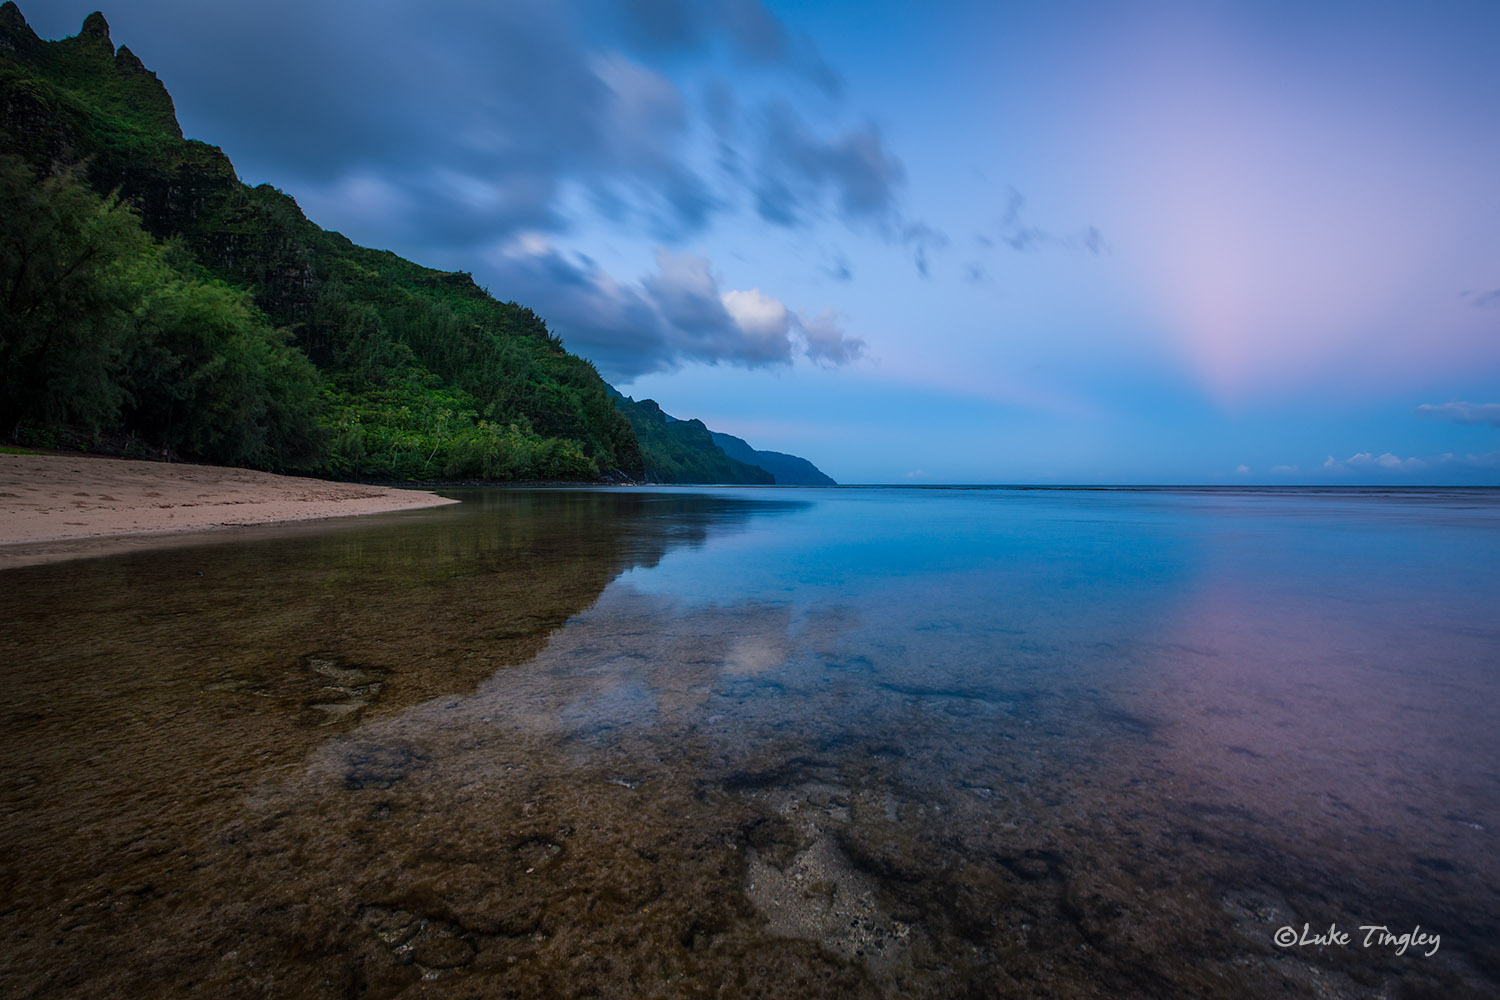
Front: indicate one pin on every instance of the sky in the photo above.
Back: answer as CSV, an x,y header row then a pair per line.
x,y
1076,242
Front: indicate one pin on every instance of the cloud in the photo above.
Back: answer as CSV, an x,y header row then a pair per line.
x,y
921,238
492,118
1473,468
839,270
757,313
647,122
486,115
1242,470
799,173
686,293
1091,240
745,328
615,325
472,131
761,320
1023,238
1015,235
1488,300
827,343
755,34
1366,461
801,177
675,315
1285,470
1464,413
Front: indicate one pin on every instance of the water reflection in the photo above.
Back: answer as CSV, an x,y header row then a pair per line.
x,y
146,696
984,743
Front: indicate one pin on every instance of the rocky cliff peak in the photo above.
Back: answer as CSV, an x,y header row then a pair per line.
x,y
128,61
15,34
95,26
87,66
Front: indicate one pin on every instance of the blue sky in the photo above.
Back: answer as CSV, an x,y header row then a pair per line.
x,y
1073,242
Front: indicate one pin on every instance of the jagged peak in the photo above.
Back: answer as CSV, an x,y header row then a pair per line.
x,y
15,34
81,64
95,26
10,15
128,60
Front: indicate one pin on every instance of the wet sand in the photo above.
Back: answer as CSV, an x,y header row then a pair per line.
x,y
56,507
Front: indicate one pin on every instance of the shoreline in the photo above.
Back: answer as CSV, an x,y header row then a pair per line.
x,y
55,507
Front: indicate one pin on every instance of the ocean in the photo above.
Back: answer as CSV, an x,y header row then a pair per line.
x,y
768,742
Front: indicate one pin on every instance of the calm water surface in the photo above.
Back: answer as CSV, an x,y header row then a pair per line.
x,y
854,742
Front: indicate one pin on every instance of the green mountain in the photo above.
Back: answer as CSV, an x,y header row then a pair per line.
x,y
157,304
789,470
683,451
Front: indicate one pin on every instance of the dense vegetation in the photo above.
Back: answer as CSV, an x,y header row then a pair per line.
x,y
103,329
153,302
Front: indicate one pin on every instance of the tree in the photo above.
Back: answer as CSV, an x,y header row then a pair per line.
x,y
208,377
104,330
68,289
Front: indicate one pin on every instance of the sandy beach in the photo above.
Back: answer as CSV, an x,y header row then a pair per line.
x,y
55,507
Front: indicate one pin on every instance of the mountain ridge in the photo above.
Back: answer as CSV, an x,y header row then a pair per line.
x,y
687,451
418,374
789,470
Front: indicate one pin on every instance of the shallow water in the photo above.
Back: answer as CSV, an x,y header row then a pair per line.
x,y
859,742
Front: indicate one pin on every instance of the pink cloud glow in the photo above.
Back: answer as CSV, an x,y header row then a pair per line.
x,y
1293,231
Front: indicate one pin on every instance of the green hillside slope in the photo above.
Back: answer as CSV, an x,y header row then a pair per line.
x,y
391,370
789,470
683,451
